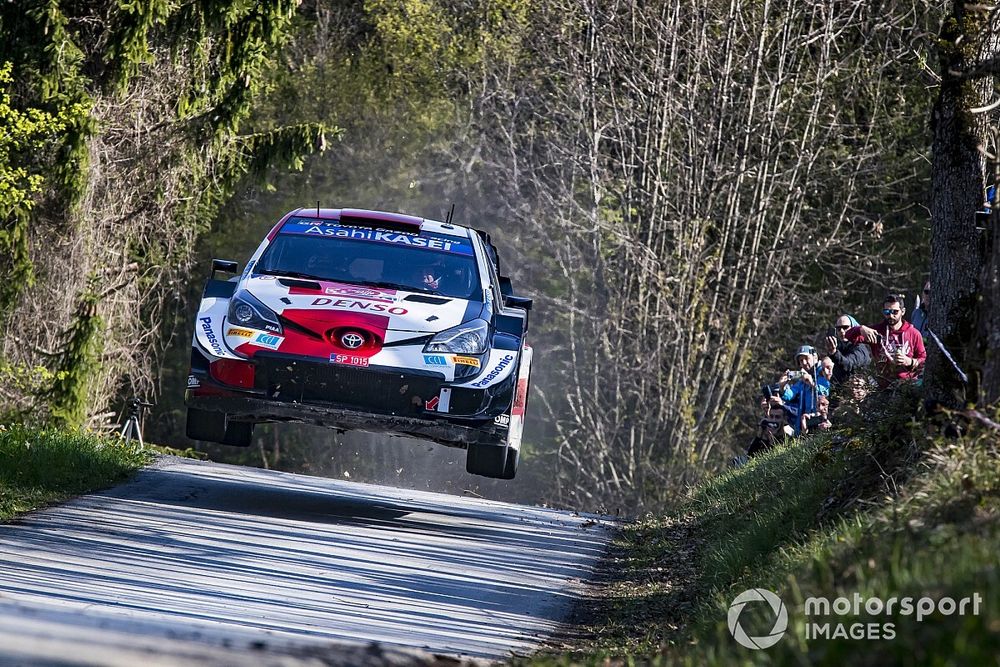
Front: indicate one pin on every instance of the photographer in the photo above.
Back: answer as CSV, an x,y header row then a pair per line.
x,y
848,357
770,428
896,345
802,388
820,420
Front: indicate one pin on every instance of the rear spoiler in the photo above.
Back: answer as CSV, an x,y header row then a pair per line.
x,y
491,249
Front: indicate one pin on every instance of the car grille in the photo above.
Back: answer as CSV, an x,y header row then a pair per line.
x,y
378,390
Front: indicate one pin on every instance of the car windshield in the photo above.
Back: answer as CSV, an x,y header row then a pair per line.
x,y
429,263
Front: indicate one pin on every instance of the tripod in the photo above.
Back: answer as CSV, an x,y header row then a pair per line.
x,y
133,425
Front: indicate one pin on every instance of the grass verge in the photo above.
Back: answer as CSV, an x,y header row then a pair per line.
x,y
39,467
880,509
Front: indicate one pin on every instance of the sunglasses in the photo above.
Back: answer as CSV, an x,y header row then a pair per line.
x,y
845,327
890,311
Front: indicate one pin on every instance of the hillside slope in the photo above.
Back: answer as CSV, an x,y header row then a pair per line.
x,y
882,508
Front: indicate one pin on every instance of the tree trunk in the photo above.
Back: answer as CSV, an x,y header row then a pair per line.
x,y
989,320
957,254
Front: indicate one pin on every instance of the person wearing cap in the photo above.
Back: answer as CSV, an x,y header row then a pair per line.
x,y
848,357
897,347
803,388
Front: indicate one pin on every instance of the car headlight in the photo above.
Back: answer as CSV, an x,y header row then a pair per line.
x,y
468,338
246,310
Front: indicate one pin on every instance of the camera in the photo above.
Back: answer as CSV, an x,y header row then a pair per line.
x,y
814,421
769,390
796,375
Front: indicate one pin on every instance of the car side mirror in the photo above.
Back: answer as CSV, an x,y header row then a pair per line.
x,y
224,265
506,288
512,301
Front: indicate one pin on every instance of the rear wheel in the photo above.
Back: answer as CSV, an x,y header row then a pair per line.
x,y
487,460
212,426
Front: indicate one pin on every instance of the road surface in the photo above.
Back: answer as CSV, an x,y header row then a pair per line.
x,y
202,563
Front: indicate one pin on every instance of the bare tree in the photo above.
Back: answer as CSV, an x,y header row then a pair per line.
x,y
693,171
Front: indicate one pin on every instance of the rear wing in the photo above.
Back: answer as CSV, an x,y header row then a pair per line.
x,y
491,249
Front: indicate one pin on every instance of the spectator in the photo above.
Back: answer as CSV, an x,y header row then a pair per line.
x,y
848,358
820,420
849,363
896,346
770,432
826,369
919,317
803,387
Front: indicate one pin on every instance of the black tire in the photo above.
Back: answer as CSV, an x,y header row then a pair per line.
x,y
211,426
510,467
206,425
486,460
238,434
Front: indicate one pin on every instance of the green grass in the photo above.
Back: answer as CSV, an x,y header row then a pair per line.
x,y
39,467
879,509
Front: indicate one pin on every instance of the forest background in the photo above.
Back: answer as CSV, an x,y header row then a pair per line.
x,y
689,189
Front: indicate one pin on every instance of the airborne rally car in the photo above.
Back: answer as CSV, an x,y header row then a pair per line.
x,y
363,320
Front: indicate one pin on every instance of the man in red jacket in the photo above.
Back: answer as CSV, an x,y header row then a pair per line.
x,y
896,345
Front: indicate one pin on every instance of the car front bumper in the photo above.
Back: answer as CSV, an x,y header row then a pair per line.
x,y
380,400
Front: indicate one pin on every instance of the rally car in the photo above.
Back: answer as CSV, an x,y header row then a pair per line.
x,y
371,321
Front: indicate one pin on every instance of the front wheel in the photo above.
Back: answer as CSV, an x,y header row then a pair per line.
x,y
212,426
238,434
488,460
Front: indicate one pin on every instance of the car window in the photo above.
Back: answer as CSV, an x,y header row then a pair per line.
x,y
440,264
490,268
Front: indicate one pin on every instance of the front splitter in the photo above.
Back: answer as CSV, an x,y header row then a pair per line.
x,y
244,408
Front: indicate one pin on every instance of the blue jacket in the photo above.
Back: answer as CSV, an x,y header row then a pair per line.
x,y
801,399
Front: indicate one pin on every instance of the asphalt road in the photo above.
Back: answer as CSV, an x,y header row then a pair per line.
x,y
202,563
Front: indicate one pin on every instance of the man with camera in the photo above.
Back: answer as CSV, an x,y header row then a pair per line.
x,y
896,345
848,357
802,388
770,428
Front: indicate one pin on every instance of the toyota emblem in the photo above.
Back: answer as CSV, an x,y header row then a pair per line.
x,y
352,340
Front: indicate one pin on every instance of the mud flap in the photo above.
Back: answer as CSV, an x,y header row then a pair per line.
x,y
514,420
516,425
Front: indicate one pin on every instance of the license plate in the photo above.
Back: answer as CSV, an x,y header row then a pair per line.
x,y
349,359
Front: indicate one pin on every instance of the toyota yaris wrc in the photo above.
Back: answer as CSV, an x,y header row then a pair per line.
x,y
371,321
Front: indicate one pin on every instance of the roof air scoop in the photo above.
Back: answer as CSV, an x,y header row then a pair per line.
x,y
399,222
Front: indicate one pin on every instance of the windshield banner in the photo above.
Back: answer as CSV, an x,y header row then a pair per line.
x,y
429,241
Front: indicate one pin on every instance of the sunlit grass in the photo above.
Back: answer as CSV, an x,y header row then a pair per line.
x,y
39,467
879,509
